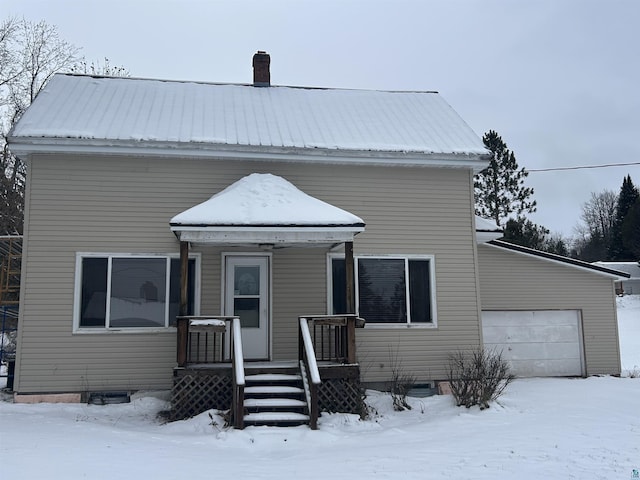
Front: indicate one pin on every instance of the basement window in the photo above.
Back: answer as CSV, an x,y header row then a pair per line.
x,y
123,292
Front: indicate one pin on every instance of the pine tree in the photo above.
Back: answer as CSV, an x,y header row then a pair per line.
x,y
499,189
526,233
629,194
631,231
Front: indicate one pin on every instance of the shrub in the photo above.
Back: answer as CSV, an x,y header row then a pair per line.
x,y
478,377
401,383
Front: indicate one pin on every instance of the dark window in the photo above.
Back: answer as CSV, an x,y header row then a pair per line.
x,y
137,296
93,304
138,292
382,296
339,285
382,289
420,291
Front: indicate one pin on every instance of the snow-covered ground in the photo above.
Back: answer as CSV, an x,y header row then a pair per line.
x,y
540,429
629,333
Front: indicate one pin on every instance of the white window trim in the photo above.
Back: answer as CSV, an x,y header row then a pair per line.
x,y
77,329
406,257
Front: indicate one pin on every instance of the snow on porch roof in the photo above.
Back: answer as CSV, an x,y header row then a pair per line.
x,y
85,113
265,209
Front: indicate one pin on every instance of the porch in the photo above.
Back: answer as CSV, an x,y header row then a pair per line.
x,y
213,373
266,212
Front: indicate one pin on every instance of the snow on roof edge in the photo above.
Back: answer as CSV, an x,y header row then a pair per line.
x,y
347,120
572,262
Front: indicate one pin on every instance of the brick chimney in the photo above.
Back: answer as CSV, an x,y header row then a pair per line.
x,y
261,75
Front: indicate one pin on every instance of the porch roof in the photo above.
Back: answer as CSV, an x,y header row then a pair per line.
x,y
264,209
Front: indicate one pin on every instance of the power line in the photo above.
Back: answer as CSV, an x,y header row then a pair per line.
x,y
583,167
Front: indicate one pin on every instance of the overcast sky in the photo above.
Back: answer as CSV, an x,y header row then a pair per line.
x,y
558,80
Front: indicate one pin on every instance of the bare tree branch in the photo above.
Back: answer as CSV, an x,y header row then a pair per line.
x,y
30,53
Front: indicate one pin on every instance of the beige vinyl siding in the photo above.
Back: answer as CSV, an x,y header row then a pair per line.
x,y
112,204
299,288
513,281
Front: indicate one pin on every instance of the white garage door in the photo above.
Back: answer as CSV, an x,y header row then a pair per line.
x,y
540,343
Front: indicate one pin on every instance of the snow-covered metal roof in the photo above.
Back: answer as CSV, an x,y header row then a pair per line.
x,y
265,209
632,268
76,112
486,230
552,257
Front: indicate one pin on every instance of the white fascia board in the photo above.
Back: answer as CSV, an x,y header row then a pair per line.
x,y
557,262
484,237
265,235
23,147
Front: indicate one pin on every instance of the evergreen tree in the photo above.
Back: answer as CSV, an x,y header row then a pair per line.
x,y
499,189
525,233
629,194
631,231
556,244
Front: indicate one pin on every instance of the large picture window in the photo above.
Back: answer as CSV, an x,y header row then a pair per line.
x,y
131,291
390,290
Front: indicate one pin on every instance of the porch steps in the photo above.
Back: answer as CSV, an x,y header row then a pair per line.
x,y
274,398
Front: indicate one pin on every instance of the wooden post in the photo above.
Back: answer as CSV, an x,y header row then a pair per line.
x,y
182,339
184,279
351,301
349,273
183,323
314,410
351,339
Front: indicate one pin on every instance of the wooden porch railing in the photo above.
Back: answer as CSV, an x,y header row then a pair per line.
x,y
237,366
201,339
333,337
309,371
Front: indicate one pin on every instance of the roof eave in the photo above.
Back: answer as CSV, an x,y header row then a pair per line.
x,y
559,259
266,235
25,146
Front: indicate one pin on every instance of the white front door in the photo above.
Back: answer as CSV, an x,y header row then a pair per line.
x,y
247,296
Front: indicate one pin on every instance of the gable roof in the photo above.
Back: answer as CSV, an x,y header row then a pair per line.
x,y
87,113
552,257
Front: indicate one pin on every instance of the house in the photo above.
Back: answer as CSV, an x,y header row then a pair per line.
x,y
218,239
625,286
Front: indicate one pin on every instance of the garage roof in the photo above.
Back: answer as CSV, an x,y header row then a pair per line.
x,y
560,259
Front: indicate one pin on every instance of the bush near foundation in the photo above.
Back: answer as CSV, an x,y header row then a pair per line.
x,y
478,377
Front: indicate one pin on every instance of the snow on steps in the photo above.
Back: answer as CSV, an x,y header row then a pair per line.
x,y
272,389
275,399
272,377
276,417
273,402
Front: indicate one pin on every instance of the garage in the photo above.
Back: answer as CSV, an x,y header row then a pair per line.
x,y
536,343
